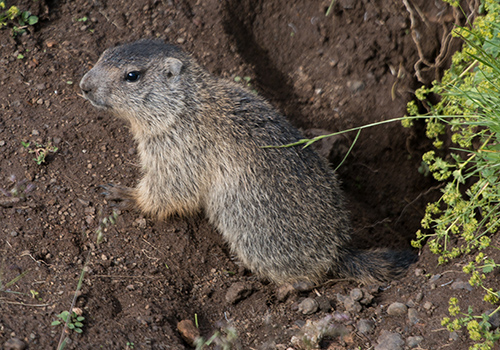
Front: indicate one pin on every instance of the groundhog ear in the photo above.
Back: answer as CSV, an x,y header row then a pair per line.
x,y
174,66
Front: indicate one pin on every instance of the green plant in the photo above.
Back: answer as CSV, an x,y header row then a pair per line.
x,y
20,19
73,320
99,232
462,220
40,151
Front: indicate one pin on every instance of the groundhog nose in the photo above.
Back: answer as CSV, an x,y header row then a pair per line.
x,y
84,85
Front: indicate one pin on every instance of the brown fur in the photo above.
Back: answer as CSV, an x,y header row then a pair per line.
x,y
200,142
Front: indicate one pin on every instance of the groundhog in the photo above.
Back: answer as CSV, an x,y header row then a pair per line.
x,y
202,143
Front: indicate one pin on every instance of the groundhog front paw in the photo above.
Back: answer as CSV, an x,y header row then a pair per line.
x,y
122,196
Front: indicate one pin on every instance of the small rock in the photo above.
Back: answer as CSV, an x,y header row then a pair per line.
x,y
84,202
181,41
40,86
397,309
2,143
365,326
14,344
367,298
434,278
352,305
419,272
141,223
494,320
35,132
390,341
188,331
419,297
347,4
458,284
355,85
413,316
14,233
39,101
356,294
238,291
324,303
303,286
454,336
284,291
427,305
413,342
308,306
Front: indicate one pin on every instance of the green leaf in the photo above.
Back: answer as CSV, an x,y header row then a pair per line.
x,y
488,268
32,20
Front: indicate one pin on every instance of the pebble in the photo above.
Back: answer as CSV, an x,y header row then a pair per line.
x,y
14,233
303,286
308,306
494,320
188,331
238,291
324,303
413,342
351,305
35,132
365,326
413,316
397,309
390,341
141,223
434,278
356,294
14,344
419,272
355,85
427,305
458,284
284,291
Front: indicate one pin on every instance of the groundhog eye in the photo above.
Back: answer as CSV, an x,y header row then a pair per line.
x,y
132,76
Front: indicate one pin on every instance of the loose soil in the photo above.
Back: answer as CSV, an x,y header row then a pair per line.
x,y
326,73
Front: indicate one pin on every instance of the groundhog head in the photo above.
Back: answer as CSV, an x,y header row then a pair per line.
x,y
144,80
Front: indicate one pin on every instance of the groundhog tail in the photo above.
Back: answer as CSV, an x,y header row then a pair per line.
x,y
377,265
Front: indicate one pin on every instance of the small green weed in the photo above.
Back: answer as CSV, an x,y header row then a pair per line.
x,y
20,20
73,320
66,316
40,151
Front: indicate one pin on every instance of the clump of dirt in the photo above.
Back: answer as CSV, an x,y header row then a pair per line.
x,y
326,73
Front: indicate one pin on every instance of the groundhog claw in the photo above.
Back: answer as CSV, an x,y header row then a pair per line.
x,y
120,194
